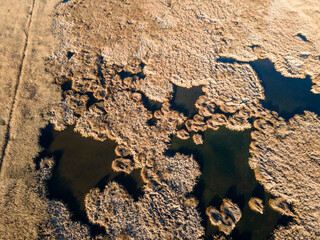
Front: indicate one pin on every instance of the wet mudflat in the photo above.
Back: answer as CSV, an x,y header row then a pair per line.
x,y
223,159
82,164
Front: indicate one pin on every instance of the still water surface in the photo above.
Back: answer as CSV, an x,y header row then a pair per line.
x,y
223,159
287,96
82,164
184,100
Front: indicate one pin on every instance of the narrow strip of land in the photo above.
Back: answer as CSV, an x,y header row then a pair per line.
x,y
17,84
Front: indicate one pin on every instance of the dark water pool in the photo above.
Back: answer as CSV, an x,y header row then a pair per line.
x,y
287,96
223,159
82,164
184,99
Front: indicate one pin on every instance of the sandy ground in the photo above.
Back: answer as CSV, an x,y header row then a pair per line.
x,y
26,89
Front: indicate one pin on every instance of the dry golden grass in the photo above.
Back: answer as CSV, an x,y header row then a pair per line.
x,y
227,218
179,43
285,158
26,89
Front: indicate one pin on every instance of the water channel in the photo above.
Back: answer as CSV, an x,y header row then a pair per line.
x,y
223,160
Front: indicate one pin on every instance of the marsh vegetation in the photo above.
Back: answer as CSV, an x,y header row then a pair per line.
x,y
223,160
80,165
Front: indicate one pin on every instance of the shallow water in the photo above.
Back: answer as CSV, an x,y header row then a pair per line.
x,y
287,96
149,104
223,159
82,164
184,100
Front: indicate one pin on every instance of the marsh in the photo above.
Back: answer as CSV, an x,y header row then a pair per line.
x,y
223,159
80,165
